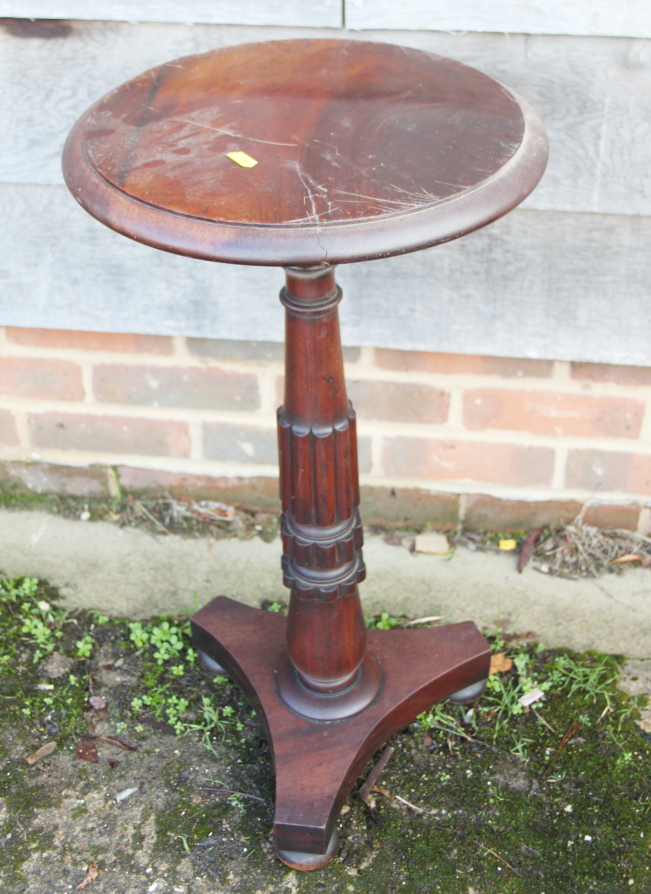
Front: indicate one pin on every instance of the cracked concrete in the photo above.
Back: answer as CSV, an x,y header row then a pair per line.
x,y
130,572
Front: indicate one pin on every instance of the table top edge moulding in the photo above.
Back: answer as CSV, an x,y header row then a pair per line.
x,y
306,154
396,218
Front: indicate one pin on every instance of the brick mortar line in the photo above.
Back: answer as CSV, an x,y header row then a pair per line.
x,y
23,430
562,371
645,428
644,522
180,356
377,468
504,491
472,382
361,370
87,383
183,465
236,470
267,390
560,464
196,441
498,436
372,428
455,409
366,359
180,347
135,411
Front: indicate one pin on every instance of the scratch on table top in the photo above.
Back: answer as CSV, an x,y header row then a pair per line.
x,y
230,133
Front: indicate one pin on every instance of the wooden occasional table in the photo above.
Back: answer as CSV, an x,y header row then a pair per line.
x,y
305,154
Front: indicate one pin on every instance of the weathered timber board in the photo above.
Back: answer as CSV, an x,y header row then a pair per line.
x,y
628,18
318,13
537,284
593,94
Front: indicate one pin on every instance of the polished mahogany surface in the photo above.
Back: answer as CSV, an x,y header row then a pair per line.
x,y
363,150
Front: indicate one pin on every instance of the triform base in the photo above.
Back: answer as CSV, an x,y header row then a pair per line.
x,y
318,762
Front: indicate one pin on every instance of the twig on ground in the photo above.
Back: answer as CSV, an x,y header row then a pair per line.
x,y
495,854
146,512
230,791
374,775
409,804
429,620
542,720
573,728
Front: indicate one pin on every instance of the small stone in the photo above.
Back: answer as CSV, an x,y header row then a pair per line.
x,y
530,697
57,665
97,702
432,544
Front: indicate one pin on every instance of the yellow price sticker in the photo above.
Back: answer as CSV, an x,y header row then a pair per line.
x,y
242,159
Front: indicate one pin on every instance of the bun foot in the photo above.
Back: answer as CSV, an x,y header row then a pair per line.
x,y
307,862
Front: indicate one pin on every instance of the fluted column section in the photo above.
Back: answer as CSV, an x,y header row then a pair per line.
x,y
321,528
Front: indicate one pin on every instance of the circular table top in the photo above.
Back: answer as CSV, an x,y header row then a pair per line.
x,y
299,152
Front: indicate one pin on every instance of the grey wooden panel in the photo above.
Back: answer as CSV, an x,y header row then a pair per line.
x,y
535,284
626,18
594,95
317,13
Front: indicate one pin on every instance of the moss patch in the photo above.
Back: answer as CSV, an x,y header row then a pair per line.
x,y
481,802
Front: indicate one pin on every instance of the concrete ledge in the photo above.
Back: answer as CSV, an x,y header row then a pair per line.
x,y
128,572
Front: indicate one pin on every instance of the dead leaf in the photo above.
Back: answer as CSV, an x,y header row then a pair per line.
x,y
157,724
118,740
631,557
97,702
113,763
87,751
211,510
526,549
115,740
40,753
500,664
91,875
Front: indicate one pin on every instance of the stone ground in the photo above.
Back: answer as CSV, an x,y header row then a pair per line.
x,y
172,835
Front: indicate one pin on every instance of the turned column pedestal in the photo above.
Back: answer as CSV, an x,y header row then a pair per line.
x,y
328,694
327,673
306,154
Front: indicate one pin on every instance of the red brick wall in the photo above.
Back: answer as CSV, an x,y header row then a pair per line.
x,y
485,433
